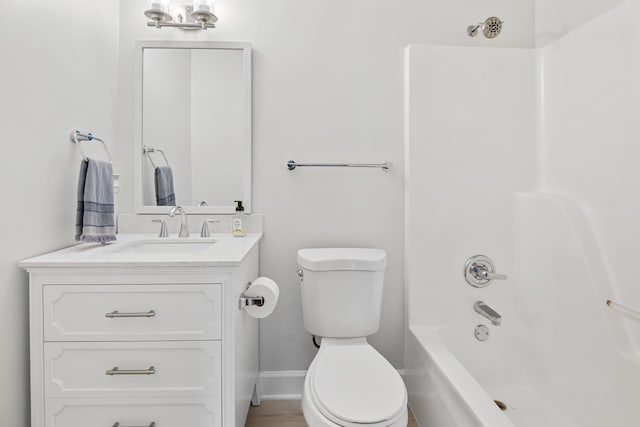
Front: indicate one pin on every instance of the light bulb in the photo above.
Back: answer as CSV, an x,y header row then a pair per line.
x,y
203,6
159,5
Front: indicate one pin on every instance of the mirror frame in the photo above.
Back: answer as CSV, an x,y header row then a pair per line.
x,y
138,157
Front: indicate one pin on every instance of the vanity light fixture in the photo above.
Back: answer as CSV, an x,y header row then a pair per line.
x,y
196,16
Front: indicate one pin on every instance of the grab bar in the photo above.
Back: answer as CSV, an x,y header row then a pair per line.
x,y
146,150
77,138
291,165
623,309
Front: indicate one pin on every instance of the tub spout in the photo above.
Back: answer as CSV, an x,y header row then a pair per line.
x,y
486,311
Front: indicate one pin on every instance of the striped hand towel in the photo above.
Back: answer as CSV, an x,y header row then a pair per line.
x,y
165,195
95,217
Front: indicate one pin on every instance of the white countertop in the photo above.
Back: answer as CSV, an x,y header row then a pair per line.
x,y
226,251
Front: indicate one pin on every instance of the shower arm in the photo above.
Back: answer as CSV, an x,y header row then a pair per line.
x,y
473,29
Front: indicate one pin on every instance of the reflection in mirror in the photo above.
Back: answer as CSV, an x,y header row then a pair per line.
x,y
195,135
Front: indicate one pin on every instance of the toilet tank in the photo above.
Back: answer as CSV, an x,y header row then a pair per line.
x,y
341,290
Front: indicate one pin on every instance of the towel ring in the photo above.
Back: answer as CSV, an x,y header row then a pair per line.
x,y
77,138
147,150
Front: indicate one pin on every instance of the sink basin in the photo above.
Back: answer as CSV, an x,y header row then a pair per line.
x,y
165,246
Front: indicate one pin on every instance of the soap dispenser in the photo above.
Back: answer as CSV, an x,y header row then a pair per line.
x,y
237,226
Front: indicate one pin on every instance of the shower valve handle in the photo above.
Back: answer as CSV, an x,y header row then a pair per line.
x,y
481,272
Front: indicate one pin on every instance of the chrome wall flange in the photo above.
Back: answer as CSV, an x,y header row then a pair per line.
x,y
479,271
481,333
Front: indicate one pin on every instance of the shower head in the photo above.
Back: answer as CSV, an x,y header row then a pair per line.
x,y
491,28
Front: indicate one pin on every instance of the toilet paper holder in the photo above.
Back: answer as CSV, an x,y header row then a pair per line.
x,y
246,301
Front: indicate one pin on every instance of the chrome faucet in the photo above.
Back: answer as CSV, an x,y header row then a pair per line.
x,y
486,311
184,225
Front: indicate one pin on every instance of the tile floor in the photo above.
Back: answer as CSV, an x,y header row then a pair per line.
x,y
285,413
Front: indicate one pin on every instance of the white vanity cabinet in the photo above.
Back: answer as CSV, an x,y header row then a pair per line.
x,y
140,343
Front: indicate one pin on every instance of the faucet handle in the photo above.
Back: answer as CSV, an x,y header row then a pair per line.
x,y
482,273
163,227
205,227
479,271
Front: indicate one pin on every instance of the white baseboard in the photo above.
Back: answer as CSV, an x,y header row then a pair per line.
x,y
281,385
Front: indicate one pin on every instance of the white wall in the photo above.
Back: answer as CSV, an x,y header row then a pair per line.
x,y
58,73
590,150
328,86
556,18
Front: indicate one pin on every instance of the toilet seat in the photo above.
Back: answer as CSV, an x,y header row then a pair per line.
x,y
352,385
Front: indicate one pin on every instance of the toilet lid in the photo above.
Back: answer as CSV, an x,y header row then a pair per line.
x,y
355,384
327,259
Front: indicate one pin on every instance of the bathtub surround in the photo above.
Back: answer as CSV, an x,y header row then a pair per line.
x,y
469,172
591,95
553,206
481,164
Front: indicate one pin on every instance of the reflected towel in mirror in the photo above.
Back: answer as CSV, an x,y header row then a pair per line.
x,y
165,195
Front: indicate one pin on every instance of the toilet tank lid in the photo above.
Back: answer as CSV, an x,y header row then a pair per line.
x,y
326,259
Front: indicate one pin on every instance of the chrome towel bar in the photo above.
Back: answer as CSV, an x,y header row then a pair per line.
x,y
623,309
77,138
291,165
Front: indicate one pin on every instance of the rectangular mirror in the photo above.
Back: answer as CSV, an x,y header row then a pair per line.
x,y
193,126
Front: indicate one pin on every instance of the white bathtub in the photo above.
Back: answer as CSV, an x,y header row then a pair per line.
x,y
444,394
560,358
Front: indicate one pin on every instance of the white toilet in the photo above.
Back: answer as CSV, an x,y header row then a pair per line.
x,y
348,384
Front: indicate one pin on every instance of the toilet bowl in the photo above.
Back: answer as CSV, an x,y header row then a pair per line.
x,y
348,384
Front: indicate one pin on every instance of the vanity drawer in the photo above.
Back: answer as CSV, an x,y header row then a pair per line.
x,y
132,312
144,369
133,412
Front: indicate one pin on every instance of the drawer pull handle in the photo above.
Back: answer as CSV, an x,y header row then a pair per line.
x,y
116,371
153,424
116,313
